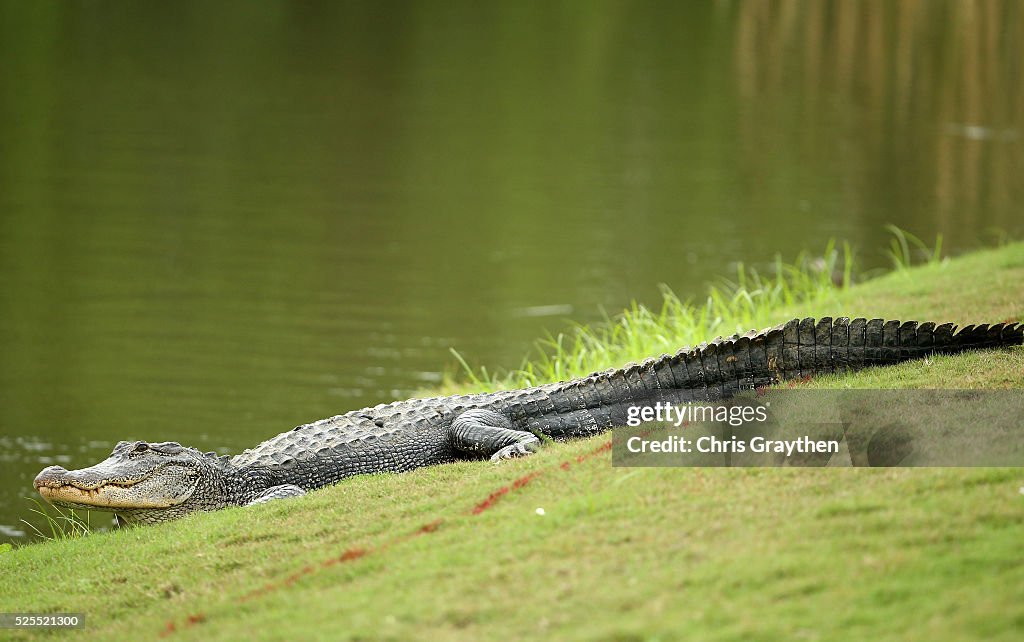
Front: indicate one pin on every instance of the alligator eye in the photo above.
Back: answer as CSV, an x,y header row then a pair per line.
x,y
141,447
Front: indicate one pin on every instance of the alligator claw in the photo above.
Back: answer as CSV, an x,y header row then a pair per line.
x,y
519,449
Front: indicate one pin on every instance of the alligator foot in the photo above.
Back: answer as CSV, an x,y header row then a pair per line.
x,y
277,492
519,449
487,433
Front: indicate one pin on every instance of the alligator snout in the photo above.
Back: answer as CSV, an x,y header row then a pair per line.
x,y
57,476
51,476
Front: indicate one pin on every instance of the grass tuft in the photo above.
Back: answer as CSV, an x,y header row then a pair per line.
x,y
903,246
66,524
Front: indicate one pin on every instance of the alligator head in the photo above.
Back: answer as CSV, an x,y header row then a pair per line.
x,y
139,482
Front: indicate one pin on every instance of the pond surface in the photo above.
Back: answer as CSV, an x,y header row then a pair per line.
x,y
220,220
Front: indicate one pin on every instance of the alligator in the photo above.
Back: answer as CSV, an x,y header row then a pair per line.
x,y
144,482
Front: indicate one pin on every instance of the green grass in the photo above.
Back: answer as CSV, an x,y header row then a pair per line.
x,y
620,554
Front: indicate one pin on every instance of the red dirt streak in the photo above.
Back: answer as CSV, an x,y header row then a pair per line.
x,y
504,490
431,527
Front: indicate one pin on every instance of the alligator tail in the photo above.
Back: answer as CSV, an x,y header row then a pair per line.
x,y
803,348
797,349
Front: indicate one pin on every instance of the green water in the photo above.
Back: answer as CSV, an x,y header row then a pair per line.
x,y
219,220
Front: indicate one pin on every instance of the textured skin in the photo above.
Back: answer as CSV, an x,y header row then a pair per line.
x,y
409,434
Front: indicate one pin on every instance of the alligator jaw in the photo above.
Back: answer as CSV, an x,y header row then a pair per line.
x,y
99,496
55,487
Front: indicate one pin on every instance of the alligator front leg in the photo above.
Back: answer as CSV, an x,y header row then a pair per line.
x,y
277,492
487,433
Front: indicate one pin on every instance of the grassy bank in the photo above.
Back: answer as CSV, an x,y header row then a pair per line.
x,y
461,552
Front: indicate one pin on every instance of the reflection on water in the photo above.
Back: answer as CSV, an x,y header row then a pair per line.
x,y
220,220
915,106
